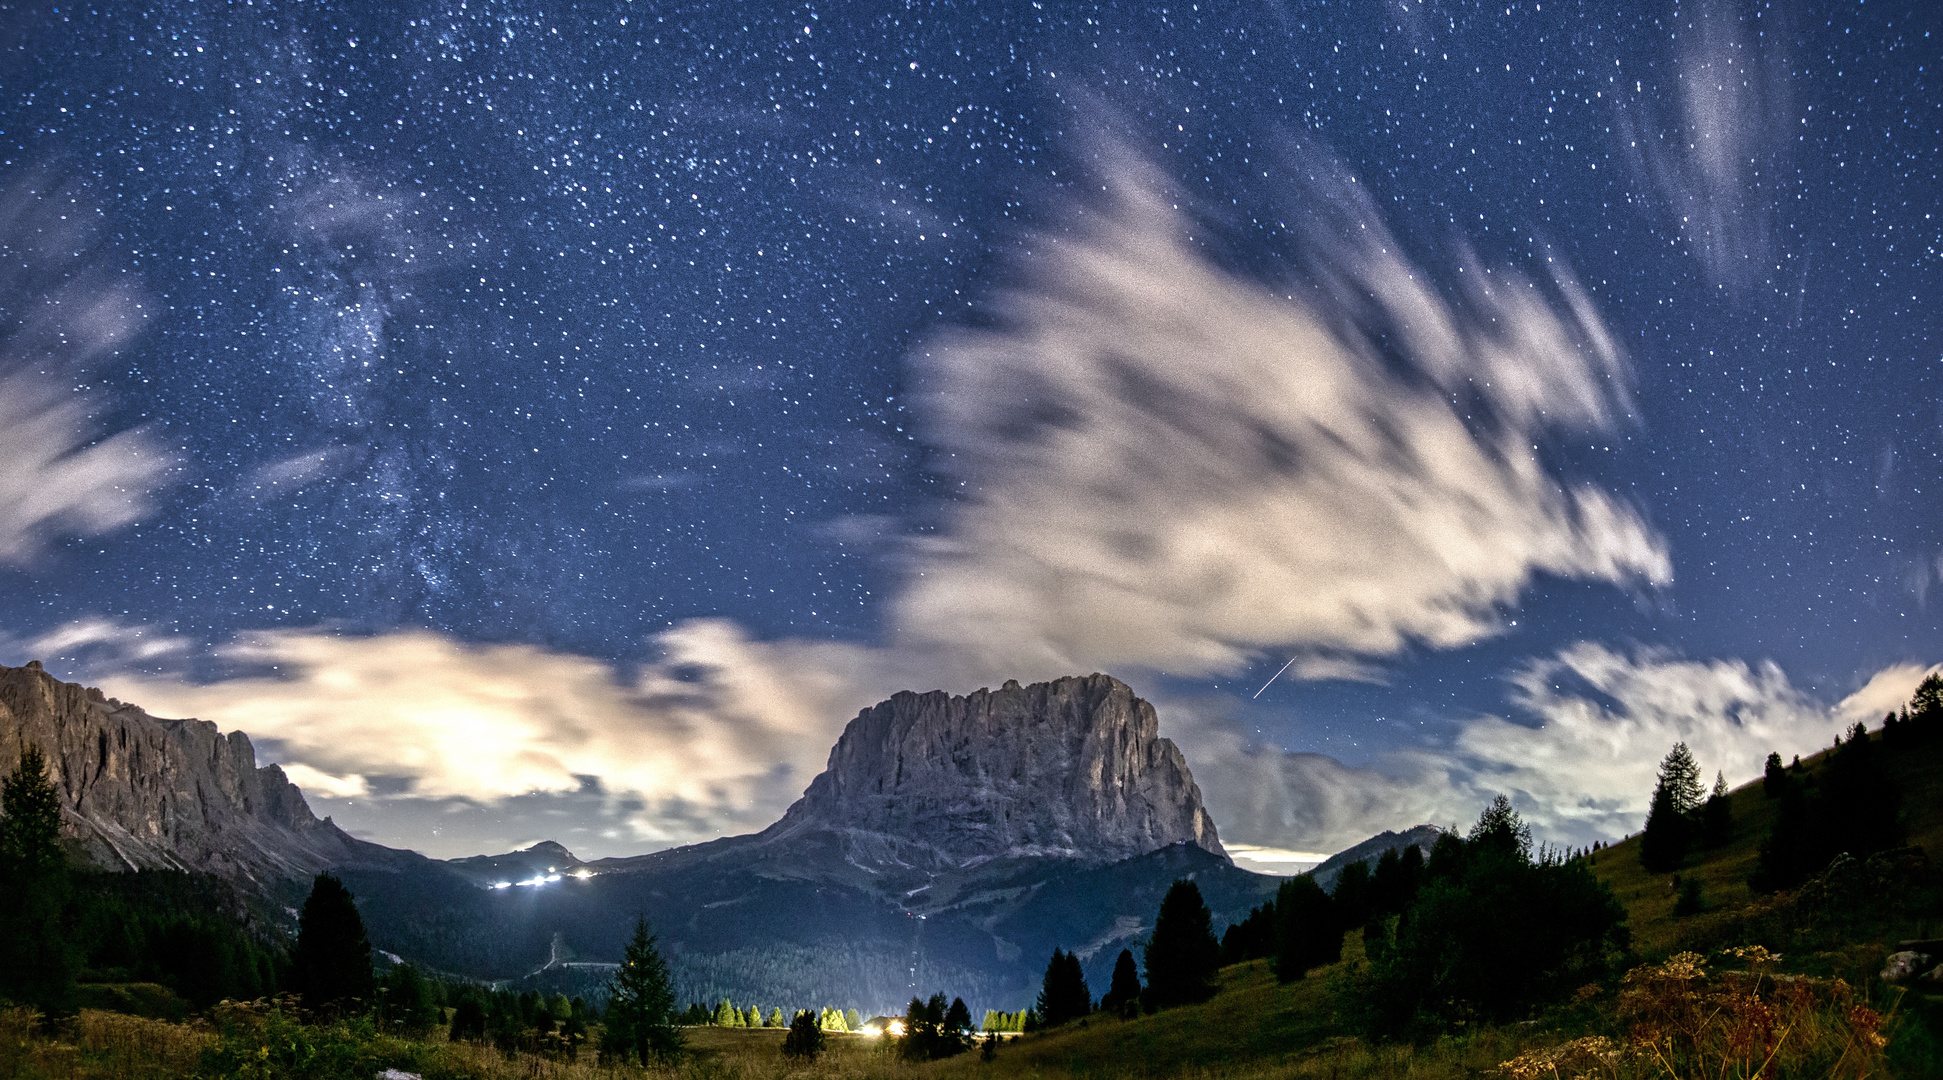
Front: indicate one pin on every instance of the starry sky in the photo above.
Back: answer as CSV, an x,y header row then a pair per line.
x,y
555,421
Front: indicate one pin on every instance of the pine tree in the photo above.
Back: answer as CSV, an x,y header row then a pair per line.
x,y
1123,996
752,1018
775,1018
38,961
641,1005
852,1021
331,966
1182,955
1063,994
726,1015
1774,777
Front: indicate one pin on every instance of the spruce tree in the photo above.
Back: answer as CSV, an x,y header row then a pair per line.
x,y
1063,993
852,1021
775,1018
1123,996
1717,817
1774,777
38,960
1182,955
752,1018
331,965
641,1005
726,1015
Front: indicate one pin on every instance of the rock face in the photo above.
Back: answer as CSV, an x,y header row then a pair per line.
x,y
1073,768
139,792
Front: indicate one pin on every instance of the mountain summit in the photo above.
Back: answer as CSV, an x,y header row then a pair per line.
x,y
1074,768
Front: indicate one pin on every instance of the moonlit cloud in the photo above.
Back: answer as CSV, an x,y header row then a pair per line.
x,y
1579,760
720,735
1168,466
61,472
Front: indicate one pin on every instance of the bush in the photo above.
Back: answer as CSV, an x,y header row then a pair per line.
x,y
805,1039
1492,934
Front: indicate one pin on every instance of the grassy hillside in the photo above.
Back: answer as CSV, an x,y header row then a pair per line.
x,y
1724,872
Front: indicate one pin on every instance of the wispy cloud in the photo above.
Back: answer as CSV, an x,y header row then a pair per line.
x,y
61,473
1718,166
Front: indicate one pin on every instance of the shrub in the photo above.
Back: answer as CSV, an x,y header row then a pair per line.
x,y
805,1039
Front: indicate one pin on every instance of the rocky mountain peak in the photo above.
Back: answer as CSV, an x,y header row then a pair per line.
x,y
142,792
1073,768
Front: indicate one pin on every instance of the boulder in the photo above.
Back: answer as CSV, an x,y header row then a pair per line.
x,y
1906,966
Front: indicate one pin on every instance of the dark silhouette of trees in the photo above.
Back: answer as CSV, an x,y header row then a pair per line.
x,y
1123,996
1851,805
405,1000
1492,932
1774,777
1182,955
1395,883
641,1005
1250,939
1353,895
805,1039
1308,933
1717,816
468,1018
1063,994
1861,803
331,967
1670,826
38,960
1926,709
928,1034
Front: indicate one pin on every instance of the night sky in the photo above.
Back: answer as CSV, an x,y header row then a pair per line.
x,y
540,421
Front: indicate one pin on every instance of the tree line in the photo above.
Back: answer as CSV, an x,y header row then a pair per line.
x,y
1849,805
727,1014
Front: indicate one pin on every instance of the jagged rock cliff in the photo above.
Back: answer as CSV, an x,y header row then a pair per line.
x,y
1073,768
140,792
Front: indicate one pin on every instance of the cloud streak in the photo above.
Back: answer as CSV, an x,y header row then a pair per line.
x,y
1169,466
60,473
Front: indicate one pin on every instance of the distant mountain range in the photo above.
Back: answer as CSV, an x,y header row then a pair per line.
x,y
951,844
